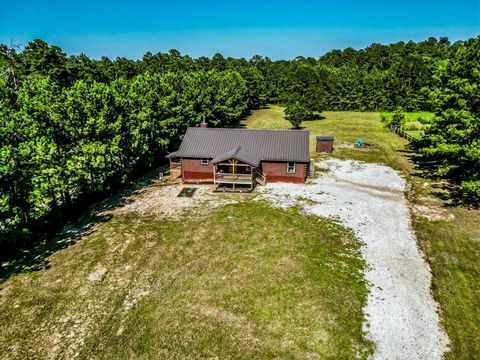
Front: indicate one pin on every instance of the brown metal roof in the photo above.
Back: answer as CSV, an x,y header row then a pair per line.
x,y
173,154
239,154
325,137
272,145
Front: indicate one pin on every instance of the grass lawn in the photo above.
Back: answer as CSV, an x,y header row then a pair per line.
x,y
449,235
412,125
235,282
412,116
238,281
346,127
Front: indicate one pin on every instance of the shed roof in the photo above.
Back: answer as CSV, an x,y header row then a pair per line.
x,y
272,145
325,137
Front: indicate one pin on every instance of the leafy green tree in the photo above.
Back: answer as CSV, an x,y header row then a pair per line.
x,y
43,59
256,89
81,67
230,102
453,138
12,68
296,113
71,127
19,150
398,117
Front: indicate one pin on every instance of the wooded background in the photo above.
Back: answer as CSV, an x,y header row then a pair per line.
x,y
73,128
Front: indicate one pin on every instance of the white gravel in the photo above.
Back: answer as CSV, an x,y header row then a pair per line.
x,y
369,198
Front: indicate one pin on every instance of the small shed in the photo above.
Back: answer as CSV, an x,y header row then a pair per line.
x,y
324,144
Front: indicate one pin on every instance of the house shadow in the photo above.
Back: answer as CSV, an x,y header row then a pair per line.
x,y
81,222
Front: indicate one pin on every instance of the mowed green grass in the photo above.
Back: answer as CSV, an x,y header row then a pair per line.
x,y
413,125
346,126
412,116
453,251
450,241
243,281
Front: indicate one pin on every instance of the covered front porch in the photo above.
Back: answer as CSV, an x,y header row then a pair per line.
x,y
175,163
236,171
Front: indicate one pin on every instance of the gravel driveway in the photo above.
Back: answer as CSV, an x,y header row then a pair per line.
x,y
369,198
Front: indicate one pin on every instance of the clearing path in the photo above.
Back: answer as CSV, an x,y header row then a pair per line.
x,y
369,198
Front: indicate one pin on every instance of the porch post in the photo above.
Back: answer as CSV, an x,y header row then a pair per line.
x,y
214,176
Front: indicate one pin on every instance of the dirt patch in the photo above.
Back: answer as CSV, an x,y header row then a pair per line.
x,y
97,274
369,198
161,200
432,213
101,284
344,145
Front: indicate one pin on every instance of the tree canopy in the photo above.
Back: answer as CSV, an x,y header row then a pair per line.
x,y
453,138
296,113
72,127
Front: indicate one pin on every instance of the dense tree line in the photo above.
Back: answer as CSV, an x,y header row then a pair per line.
x,y
379,77
72,127
452,141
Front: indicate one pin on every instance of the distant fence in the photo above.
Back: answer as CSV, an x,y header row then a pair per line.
x,y
397,129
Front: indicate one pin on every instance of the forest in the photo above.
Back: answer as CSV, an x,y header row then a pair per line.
x,y
74,128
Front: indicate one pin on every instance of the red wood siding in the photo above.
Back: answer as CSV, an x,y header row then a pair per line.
x,y
324,146
194,171
277,172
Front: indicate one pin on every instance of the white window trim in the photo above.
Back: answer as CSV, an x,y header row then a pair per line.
x,y
289,171
204,161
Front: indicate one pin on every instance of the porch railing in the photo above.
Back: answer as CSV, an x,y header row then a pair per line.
x,y
175,166
233,178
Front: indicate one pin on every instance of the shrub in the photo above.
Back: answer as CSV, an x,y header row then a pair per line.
x,y
296,113
412,127
398,118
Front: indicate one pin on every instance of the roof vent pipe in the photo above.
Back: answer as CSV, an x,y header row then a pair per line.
x,y
203,124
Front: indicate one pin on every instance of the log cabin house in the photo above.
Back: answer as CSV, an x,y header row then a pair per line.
x,y
239,159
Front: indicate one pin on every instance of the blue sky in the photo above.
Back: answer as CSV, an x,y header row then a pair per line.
x,y
279,29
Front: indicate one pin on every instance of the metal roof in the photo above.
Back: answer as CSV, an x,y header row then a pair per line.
x,y
239,154
172,154
272,145
321,137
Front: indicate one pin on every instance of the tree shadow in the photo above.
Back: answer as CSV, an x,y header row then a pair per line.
x,y
315,117
34,256
452,194
240,125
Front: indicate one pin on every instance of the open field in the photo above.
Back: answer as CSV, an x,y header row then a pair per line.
x,y
413,124
155,276
370,199
347,127
449,235
208,277
412,116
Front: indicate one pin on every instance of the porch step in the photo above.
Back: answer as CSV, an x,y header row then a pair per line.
x,y
260,177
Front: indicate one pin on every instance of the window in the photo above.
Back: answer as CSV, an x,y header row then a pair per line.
x,y
204,161
291,168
